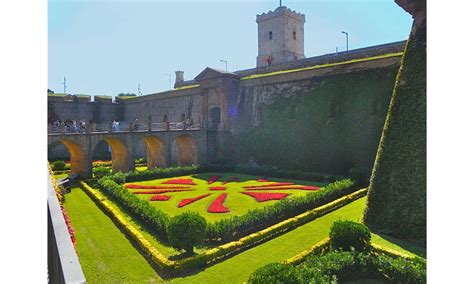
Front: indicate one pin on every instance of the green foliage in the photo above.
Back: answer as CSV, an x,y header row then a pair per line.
x,y
119,177
258,219
161,173
276,273
100,172
141,209
58,165
335,127
403,270
187,230
397,192
140,161
347,235
126,95
345,265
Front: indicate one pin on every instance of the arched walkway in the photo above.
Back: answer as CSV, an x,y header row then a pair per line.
x,y
155,152
187,150
120,155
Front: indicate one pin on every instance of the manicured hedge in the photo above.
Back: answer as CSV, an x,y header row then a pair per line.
x,y
141,209
348,235
397,192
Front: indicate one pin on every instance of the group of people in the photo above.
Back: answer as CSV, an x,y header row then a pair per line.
x,y
70,126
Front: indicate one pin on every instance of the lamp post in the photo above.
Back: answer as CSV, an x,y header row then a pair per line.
x,y
222,60
347,40
169,75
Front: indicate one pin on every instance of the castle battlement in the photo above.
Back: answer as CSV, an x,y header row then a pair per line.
x,y
280,11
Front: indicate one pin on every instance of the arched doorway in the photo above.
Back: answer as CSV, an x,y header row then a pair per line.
x,y
185,150
120,155
155,151
215,117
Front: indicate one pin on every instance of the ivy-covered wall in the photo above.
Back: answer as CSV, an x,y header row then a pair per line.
x,y
397,192
325,124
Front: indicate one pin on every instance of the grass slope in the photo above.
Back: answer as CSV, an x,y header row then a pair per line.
x,y
397,192
105,254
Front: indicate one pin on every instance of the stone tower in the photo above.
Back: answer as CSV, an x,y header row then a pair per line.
x,y
280,36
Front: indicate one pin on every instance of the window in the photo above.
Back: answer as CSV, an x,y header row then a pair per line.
x,y
259,114
165,118
294,35
270,35
183,117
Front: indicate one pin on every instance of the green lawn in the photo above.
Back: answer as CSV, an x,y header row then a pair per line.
x,y
238,203
105,253
107,256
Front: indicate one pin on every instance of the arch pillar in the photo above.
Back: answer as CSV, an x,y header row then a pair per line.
x,y
81,161
122,161
156,152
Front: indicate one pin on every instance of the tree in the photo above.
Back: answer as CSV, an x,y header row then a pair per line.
x,y
187,230
50,91
126,95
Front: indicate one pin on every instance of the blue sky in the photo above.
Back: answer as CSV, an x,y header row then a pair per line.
x,y
108,47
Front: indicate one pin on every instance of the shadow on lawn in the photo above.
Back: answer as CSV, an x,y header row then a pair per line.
x,y
417,249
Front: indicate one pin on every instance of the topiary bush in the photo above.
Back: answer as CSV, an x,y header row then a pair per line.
x,y
276,273
58,165
187,230
359,176
345,235
101,172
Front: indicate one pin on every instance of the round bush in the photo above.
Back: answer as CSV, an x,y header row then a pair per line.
x,y
276,273
58,165
119,177
346,234
100,172
186,231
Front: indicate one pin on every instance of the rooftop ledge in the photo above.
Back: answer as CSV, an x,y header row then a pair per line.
x,y
388,55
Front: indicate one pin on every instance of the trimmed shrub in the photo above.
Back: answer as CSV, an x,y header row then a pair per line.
x,y
359,176
101,172
347,235
187,230
403,270
119,177
276,273
58,165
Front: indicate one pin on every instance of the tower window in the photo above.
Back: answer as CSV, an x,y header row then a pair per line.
x,y
183,117
270,35
294,35
165,118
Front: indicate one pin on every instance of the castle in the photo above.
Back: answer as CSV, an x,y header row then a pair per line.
x,y
322,113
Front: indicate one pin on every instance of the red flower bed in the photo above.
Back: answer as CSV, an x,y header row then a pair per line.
x,y
142,186
69,227
217,206
217,188
264,196
270,185
160,198
180,181
231,179
159,191
299,187
262,180
213,179
187,201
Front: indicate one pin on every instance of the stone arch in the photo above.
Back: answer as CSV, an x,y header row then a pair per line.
x,y
155,152
78,158
121,159
186,150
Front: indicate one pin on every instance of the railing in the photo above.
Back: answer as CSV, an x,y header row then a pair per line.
x,y
120,126
63,263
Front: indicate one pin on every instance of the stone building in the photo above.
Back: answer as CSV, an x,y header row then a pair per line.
x,y
322,113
